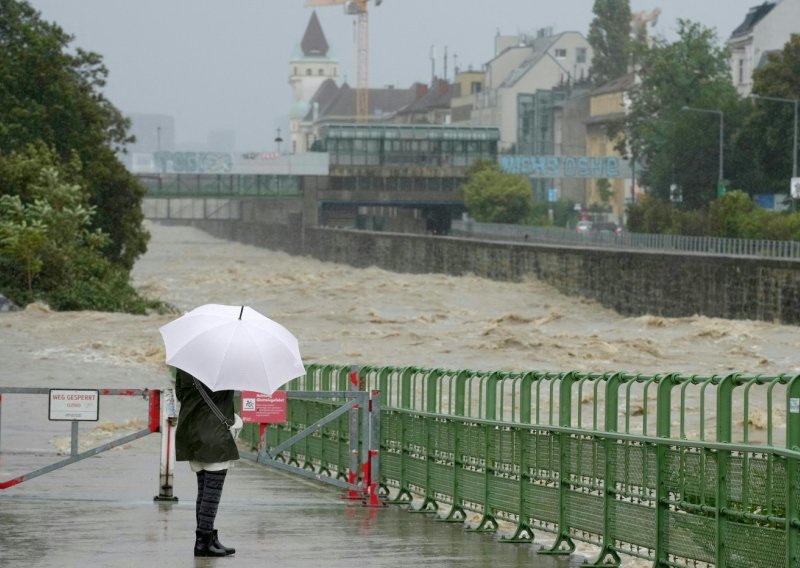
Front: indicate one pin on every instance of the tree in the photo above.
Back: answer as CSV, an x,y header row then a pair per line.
x,y
51,94
492,196
49,249
676,146
609,36
765,142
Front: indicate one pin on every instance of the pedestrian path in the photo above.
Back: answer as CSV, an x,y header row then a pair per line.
x,y
100,512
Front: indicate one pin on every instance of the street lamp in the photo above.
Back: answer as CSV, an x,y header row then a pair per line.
x,y
720,185
278,140
794,102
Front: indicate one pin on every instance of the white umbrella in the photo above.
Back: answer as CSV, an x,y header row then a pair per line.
x,y
233,348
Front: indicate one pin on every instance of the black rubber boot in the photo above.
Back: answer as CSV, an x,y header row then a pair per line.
x,y
215,540
204,545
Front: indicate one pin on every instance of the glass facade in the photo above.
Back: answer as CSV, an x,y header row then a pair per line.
x,y
408,145
536,131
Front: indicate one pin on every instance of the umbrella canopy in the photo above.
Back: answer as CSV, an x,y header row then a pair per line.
x,y
233,348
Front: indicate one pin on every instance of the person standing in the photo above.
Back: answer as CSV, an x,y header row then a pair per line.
x,y
203,439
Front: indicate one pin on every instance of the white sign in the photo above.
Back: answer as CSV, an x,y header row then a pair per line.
x,y
795,188
79,404
794,406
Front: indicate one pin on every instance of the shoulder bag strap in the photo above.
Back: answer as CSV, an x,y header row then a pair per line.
x,y
210,402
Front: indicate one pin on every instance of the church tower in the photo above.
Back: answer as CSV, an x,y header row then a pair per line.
x,y
312,64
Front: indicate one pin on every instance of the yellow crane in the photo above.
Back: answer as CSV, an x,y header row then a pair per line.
x,y
357,8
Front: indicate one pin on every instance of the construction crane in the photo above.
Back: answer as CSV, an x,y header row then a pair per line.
x,y
357,8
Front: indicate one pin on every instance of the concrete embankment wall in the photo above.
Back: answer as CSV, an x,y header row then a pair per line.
x,y
630,282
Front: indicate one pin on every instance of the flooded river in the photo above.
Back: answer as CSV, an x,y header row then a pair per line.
x,y
345,315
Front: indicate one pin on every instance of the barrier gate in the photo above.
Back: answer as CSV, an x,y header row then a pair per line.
x,y
161,417
362,477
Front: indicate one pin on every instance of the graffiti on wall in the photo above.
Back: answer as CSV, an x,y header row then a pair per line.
x,y
193,162
205,162
563,166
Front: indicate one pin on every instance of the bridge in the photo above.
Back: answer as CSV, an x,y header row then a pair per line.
x,y
384,176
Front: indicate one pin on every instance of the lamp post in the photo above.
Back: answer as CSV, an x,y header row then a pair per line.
x,y
278,140
795,103
720,185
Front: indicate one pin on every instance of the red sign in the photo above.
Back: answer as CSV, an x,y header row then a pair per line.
x,y
260,408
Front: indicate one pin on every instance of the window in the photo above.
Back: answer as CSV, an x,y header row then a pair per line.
x,y
741,71
321,71
561,53
475,87
308,71
580,55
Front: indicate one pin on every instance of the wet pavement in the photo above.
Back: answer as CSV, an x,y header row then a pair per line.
x,y
100,512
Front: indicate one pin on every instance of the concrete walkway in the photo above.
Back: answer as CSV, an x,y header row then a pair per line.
x,y
100,512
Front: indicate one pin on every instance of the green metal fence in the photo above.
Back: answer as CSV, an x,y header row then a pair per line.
x,y
678,470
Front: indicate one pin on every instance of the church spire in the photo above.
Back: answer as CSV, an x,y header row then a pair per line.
x,y
314,43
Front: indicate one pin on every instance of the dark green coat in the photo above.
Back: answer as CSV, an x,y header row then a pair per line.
x,y
200,435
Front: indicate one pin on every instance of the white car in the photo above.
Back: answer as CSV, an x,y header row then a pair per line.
x,y
584,227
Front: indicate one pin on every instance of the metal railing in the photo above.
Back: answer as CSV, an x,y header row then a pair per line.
x,y
789,250
678,470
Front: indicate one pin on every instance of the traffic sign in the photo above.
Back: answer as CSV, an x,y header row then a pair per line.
x,y
79,404
795,188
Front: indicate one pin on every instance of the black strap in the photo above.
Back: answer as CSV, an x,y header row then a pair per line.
x,y
211,404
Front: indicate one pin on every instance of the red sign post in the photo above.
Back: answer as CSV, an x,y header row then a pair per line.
x,y
260,408
263,409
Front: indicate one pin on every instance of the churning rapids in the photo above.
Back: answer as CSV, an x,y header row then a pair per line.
x,y
346,315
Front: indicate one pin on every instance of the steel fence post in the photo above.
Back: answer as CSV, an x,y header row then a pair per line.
x,y
608,555
168,420
405,387
432,389
564,421
352,474
792,472
724,435
461,382
374,450
663,417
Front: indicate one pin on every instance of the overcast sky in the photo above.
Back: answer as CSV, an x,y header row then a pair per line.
x,y
224,64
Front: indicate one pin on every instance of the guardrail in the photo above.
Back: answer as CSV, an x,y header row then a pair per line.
x,y
789,250
678,470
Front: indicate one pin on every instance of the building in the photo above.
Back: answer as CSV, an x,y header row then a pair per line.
x,y
311,66
465,88
524,65
766,28
609,105
432,105
394,176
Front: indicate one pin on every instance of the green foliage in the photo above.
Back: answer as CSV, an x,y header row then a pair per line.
x,y
609,36
682,146
49,250
764,144
734,215
604,190
51,96
492,196
564,214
